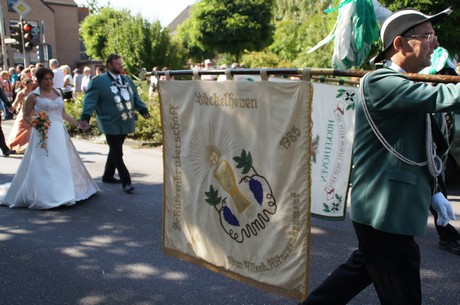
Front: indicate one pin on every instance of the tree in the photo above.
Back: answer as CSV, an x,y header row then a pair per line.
x,y
191,39
93,6
300,25
264,59
140,43
233,26
96,30
297,9
166,51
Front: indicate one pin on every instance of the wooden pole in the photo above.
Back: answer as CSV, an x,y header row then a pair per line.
x,y
313,71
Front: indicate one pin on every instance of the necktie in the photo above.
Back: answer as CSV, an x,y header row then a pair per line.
x,y
118,80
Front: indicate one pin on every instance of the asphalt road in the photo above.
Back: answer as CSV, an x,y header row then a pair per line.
x,y
108,250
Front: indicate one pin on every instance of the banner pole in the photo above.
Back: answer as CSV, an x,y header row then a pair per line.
x,y
298,72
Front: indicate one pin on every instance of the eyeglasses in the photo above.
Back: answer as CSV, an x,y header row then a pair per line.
x,y
428,37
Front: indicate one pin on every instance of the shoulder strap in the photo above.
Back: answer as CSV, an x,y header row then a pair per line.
x,y
433,162
58,92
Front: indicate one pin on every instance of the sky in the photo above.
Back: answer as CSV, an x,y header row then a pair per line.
x,y
163,10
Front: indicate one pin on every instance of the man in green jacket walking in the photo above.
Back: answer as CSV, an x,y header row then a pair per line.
x,y
395,167
114,97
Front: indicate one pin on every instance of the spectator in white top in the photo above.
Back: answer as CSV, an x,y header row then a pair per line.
x,y
86,78
208,66
68,83
58,74
153,82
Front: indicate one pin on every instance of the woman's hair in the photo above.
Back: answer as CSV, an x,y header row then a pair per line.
x,y
41,73
65,68
4,72
26,80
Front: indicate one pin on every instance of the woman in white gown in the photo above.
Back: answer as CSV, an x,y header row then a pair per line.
x,y
54,175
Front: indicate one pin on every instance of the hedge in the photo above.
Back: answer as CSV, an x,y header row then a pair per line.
x,y
148,132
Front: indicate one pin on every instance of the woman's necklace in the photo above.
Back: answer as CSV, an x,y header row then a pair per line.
x,y
46,93
51,95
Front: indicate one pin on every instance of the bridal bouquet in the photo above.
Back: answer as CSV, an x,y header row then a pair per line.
x,y
41,122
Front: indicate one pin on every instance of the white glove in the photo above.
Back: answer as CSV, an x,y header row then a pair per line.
x,y
444,209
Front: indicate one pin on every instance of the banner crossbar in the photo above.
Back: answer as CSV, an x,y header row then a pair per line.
x,y
298,72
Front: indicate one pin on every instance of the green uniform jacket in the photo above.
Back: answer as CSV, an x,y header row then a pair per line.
x,y
387,193
100,98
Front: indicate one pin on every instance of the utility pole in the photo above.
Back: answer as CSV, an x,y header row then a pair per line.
x,y
24,54
45,46
2,39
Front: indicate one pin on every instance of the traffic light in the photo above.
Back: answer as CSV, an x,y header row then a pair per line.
x,y
16,34
27,34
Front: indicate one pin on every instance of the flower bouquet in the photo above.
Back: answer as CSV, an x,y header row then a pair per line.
x,y
41,122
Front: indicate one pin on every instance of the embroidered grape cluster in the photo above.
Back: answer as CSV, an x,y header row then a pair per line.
x,y
230,218
257,190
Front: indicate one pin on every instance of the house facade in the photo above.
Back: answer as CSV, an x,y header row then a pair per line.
x,y
54,22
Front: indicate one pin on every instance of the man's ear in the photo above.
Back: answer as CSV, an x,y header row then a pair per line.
x,y
398,43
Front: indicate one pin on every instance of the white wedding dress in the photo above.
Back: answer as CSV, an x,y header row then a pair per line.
x,y
48,180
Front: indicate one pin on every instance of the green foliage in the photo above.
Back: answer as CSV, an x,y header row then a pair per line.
x,y
174,56
147,130
121,41
298,9
257,33
264,59
95,30
93,6
191,39
74,109
286,43
139,42
229,26
300,25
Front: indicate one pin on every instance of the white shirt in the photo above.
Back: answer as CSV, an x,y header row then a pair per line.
x,y
85,82
68,88
115,77
58,78
393,66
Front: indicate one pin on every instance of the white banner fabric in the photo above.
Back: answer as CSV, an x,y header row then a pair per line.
x,y
237,179
332,133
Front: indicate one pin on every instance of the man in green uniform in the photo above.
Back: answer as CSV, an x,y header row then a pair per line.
x,y
114,97
395,167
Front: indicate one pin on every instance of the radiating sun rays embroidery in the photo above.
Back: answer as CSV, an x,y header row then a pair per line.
x,y
207,147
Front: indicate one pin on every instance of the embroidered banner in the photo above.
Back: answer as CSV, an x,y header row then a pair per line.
x,y
332,133
237,179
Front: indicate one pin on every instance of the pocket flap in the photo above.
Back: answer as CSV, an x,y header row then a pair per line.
x,y
402,175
